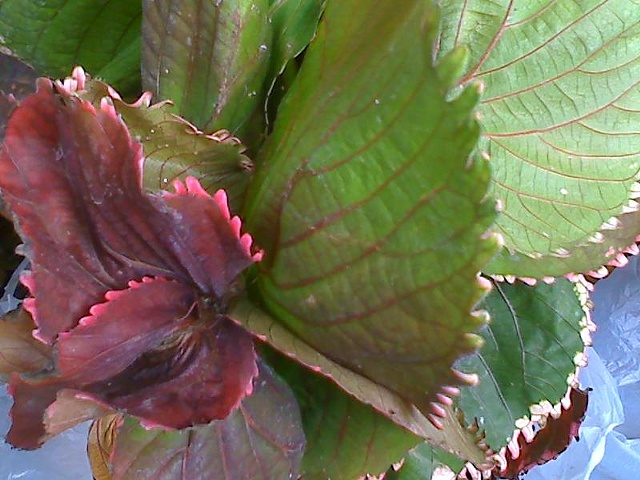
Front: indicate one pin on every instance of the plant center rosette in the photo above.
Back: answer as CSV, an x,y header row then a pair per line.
x,y
129,288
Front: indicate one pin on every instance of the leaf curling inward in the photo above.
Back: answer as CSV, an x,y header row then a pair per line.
x,y
174,148
65,158
373,218
559,116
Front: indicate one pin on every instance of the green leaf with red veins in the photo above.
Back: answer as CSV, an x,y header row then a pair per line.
x,y
210,58
173,148
345,438
452,436
560,123
529,351
369,204
263,438
56,35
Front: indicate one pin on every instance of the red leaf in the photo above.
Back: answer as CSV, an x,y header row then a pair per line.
x,y
72,177
549,442
149,351
30,400
261,439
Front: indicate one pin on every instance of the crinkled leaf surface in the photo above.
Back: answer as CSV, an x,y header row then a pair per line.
x,y
56,35
19,351
529,352
560,121
210,58
421,463
550,441
263,438
368,205
345,438
452,436
173,149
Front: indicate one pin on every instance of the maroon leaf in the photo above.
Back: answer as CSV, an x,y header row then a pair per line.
x,y
64,160
160,347
148,351
263,438
549,442
31,397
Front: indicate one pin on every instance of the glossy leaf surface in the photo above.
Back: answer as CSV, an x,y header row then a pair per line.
x,y
56,35
529,352
210,58
371,215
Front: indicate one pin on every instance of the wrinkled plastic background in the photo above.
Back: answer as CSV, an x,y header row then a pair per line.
x,y
609,446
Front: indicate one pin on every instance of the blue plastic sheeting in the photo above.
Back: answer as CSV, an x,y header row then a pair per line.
x,y
609,446
61,458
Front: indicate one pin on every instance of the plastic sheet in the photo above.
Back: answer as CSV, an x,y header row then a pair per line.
x,y
62,458
609,446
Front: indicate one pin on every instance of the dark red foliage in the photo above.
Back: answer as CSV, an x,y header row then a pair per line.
x,y
550,441
160,347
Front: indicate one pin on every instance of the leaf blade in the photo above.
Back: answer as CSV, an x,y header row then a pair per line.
x,y
529,353
359,290
559,124
261,439
209,58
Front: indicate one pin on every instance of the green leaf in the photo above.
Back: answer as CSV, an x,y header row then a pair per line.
x,y
294,24
173,149
369,207
345,438
210,58
452,436
559,116
262,438
118,71
527,357
423,461
56,35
